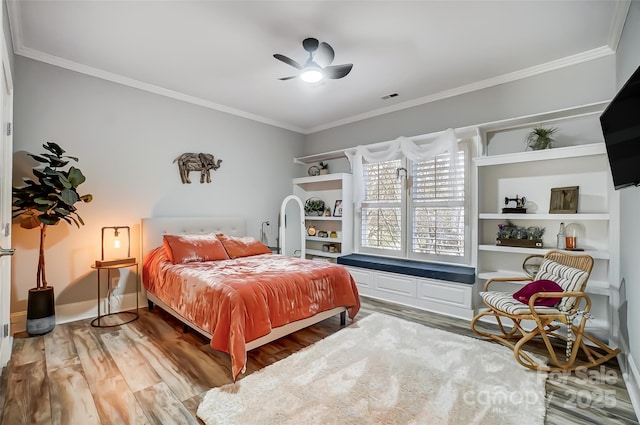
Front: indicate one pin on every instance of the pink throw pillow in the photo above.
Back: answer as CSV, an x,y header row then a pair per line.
x,y
536,286
183,249
242,247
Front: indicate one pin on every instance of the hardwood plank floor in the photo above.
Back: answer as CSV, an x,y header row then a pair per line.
x,y
150,372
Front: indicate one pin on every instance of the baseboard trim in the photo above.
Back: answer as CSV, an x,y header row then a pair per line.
x,y
632,381
630,374
77,311
5,350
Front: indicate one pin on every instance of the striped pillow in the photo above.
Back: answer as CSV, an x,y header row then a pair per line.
x,y
569,278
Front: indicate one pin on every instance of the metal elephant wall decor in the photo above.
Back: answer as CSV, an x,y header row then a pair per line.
x,y
203,162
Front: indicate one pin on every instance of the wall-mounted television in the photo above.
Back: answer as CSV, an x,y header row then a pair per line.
x,y
620,124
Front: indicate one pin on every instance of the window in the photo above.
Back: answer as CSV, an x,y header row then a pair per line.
x,y
416,209
381,216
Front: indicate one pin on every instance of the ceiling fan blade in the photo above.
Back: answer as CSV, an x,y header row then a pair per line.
x,y
325,54
287,60
310,44
337,71
287,78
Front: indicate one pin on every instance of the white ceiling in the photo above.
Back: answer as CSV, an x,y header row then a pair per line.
x,y
219,54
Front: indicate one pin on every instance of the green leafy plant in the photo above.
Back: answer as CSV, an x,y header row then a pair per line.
x,y
540,138
314,205
50,198
509,230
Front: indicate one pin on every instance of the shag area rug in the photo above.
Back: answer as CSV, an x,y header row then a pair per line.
x,y
385,370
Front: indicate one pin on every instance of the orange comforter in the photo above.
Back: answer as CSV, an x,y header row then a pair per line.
x,y
240,300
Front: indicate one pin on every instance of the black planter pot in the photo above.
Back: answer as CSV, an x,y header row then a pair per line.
x,y
41,311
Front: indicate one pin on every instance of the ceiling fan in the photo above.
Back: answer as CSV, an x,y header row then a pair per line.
x,y
317,65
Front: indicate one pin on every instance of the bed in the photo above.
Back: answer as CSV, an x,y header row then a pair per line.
x,y
238,303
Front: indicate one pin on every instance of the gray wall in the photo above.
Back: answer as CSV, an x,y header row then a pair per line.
x,y
580,84
628,60
126,140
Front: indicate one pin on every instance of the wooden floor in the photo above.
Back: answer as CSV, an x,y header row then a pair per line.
x,y
150,372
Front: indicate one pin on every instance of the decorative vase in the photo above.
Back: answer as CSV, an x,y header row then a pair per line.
x,y
41,311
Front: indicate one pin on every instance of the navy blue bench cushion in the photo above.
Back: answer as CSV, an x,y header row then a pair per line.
x,y
461,274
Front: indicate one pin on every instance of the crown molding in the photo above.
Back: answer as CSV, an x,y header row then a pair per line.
x,y
490,82
15,23
126,81
617,25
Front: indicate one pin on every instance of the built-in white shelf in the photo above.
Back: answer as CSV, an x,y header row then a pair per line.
x,y
542,155
321,218
329,188
601,255
318,253
562,217
534,173
327,239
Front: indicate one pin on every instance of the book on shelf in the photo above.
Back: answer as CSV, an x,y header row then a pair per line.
x,y
111,262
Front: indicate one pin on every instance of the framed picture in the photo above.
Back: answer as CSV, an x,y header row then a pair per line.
x,y
337,209
564,200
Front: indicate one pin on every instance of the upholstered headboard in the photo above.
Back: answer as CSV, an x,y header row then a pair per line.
x,y
153,228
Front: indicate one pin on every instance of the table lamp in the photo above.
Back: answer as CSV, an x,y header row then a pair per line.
x,y
117,248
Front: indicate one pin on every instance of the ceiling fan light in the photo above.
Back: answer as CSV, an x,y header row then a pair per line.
x,y
311,75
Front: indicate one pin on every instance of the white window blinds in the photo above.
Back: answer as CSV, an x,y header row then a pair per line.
x,y
381,219
437,206
417,214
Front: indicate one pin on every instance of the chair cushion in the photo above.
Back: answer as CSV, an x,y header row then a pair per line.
x,y
569,278
505,302
536,286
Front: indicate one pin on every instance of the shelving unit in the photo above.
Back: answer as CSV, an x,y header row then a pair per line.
x,y
533,174
329,188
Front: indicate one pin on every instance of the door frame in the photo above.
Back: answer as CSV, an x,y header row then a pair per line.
x,y
6,161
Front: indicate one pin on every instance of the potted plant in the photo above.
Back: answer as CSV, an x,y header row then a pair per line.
x,y
540,138
43,202
314,206
324,167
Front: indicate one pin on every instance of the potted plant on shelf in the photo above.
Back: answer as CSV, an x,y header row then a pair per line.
x,y
540,138
43,202
324,167
314,206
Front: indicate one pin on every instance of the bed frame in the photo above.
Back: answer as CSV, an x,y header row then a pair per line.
x,y
152,230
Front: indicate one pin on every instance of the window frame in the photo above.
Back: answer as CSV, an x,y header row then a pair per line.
x,y
406,205
358,222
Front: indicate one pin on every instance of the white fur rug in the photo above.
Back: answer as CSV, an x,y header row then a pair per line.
x,y
384,370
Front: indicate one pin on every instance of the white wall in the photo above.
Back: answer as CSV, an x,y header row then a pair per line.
x,y
628,60
589,82
126,140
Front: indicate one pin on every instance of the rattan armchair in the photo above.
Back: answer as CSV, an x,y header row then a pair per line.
x,y
524,322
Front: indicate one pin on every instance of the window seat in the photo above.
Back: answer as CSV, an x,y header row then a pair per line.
x,y
446,272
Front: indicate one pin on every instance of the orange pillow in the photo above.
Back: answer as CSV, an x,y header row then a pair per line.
x,y
242,247
183,249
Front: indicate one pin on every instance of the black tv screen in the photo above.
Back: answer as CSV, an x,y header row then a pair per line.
x,y
620,124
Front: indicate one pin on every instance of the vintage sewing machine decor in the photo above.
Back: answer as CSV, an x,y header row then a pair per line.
x,y
519,208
